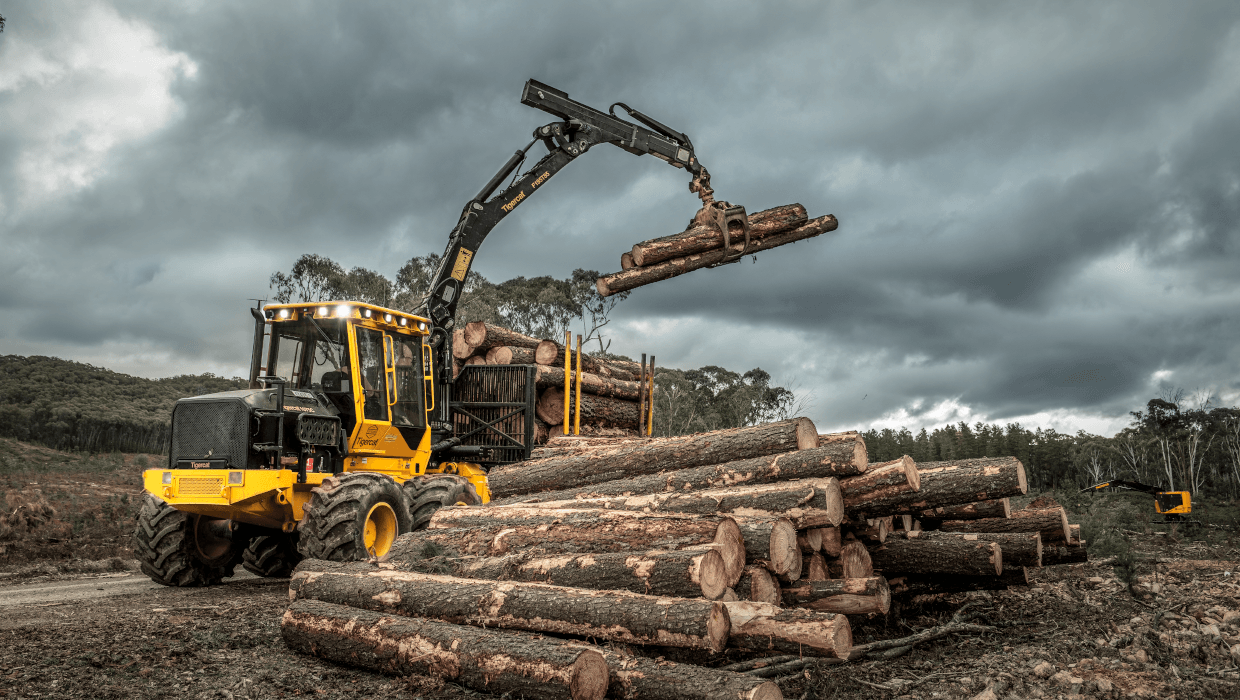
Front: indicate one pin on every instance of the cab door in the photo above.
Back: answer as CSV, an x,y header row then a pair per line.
x,y
373,394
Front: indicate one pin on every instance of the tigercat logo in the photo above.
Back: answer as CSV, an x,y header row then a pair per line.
x,y
515,201
371,431
200,465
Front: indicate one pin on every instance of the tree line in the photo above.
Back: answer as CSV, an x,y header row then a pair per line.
x,y
1178,442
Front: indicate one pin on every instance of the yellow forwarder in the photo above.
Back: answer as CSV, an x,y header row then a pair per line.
x,y
354,429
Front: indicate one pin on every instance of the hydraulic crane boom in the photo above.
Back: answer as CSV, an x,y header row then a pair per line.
x,y
582,128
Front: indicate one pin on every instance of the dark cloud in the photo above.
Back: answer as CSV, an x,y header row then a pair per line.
x,y
1038,202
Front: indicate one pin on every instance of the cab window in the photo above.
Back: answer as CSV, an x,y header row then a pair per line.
x,y
407,411
373,377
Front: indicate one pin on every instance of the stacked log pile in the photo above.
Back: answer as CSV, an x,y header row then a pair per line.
x,y
611,390
761,539
704,245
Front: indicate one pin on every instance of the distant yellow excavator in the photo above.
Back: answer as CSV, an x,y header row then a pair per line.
x,y
1174,506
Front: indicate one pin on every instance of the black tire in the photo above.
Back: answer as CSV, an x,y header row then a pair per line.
x,y
334,525
169,551
272,556
427,494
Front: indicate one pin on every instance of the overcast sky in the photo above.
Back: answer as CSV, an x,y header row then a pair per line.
x,y
1039,202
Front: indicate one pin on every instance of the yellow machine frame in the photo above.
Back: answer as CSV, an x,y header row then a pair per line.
x,y
272,497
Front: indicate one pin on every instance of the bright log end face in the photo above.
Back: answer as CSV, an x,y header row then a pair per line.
x,y
910,469
712,575
996,556
833,497
1021,481
1007,503
842,640
732,549
785,554
588,676
719,626
807,434
766,691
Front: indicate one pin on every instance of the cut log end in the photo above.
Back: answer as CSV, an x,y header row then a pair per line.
x,y
712,575
589,676
719,626
807,434
1021,481
732,549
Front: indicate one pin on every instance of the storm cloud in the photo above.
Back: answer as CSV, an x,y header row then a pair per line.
x,y
1038,202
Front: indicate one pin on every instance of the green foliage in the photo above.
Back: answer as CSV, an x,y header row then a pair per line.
x,y
73,406
1125,566
712,398
543,307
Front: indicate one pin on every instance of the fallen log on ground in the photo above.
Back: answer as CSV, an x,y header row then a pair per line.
x,y
762,627
848,596
1019,548
1052,523
597,466
490,661
640,276
758,585
637,677
698,239
928,584
880,481
805,502
595,410
954,483
918,555
617,616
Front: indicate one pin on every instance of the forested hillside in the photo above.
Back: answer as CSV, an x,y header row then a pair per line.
x,y
74,406
1177,442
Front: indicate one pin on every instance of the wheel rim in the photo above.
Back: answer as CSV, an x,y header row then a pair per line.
x,y
211,547
380,529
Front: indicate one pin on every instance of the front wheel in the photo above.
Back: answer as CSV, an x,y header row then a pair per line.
x,y
180,549
352,517
427,494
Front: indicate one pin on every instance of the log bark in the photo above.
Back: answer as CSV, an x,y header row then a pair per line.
x,y
994,508
810,541
880,481
805,502
617,616
637,677
640,276
1052,523
763,627
1060,553
847,596
549,377
597,466
508,355
955,483
758,585
871,529
915,584
484,336
830,541
698,239
1020,549
490,661
551,353
774,540
595,410
497,530
542,432
686,573
814,567
938,556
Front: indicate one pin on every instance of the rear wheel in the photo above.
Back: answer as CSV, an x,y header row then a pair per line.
x,y
176,548
351,517
273,556
427,494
